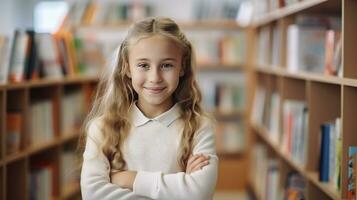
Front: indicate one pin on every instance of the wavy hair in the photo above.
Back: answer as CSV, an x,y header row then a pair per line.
x,y
115,94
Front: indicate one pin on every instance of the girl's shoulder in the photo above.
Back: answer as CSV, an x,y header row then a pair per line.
x,y
94,129
207,120
207,123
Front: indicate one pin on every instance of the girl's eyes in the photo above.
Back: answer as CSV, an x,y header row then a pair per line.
x,y
143,65
164,66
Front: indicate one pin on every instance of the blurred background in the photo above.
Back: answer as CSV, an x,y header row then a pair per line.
x,y
272,73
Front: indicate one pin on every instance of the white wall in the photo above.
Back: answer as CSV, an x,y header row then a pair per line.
x,y
15,14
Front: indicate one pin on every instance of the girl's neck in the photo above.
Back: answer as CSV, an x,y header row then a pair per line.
x,y
152,111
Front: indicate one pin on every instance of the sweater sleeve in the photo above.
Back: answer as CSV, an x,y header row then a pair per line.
x,y
199,185
95,180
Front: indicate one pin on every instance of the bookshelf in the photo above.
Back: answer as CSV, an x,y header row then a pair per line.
x,y
325,97
18,168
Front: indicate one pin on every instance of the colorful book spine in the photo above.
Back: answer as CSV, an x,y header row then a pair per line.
x,y
352,162
324,156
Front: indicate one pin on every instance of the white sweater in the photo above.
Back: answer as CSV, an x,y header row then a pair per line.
x,y
151,150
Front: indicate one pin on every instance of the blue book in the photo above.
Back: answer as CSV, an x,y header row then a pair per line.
x,y
324,153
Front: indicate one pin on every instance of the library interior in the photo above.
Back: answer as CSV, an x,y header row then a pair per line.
x,y
279,78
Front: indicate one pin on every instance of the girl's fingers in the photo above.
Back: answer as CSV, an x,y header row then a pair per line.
x,y
196,162
200,165
191,160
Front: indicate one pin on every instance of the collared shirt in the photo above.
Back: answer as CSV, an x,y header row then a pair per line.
x,y
151,149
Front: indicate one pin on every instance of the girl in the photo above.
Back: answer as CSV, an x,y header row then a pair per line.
x,y
147,136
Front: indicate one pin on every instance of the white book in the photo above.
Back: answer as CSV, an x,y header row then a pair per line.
x,y
5,48
18,56
292,48
274,121
306,48
48,55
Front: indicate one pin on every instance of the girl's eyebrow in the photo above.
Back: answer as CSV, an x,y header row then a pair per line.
x,y
165,59
168,59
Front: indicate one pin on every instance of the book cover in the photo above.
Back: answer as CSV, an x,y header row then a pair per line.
x,y
14,123
5,48
351,189
47,52
324,153
18,56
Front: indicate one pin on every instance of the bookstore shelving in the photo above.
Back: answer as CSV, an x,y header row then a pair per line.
x,y
28,158
303,105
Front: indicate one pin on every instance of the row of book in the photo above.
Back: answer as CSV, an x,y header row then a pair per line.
x,y
69,167
30,56
42,181
46,123
331,153
72,115
110,12
266,176
230,137
213,10
44,176
223,97
293,136
226,49
106,12
313,44
42,124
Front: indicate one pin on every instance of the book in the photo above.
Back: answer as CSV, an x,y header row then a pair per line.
x,y
18,56
351,173
31,65
48,56
332,58
295,186
324,153
306,48
5,49
14,125
294,138
230,137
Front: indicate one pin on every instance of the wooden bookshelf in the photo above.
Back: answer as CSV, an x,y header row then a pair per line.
x,y
327,97
293,9
311,176
221,66
16,167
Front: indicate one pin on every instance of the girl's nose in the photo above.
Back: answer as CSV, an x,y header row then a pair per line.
x,y
155,75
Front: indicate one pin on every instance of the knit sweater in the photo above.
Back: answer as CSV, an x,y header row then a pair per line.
x,y
151,149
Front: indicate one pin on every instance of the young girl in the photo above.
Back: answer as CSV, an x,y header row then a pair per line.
x,y
147,135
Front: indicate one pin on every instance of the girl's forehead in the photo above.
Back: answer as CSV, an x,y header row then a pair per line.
x,y
153,38
154,44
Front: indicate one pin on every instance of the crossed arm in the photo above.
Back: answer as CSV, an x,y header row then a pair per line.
x,y
194,183
125,179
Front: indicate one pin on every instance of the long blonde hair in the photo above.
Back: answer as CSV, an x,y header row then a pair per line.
x,y
115,95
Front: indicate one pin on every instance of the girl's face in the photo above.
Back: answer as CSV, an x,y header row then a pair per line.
x,y
155,68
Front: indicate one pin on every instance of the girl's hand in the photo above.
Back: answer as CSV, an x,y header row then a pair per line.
x,y
125,179
196,162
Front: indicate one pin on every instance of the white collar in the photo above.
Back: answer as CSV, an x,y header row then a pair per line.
x,y
166,118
